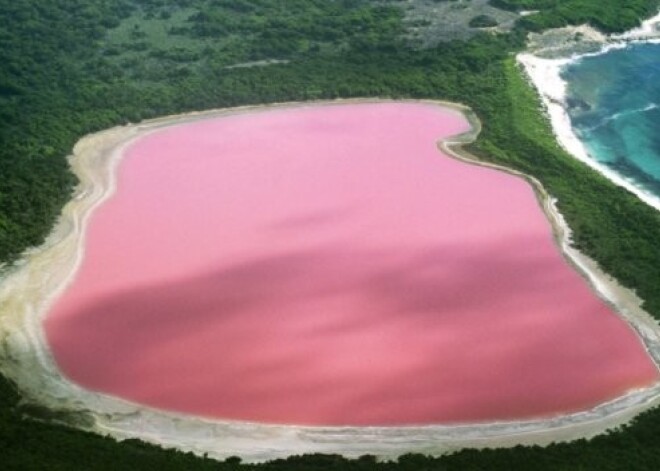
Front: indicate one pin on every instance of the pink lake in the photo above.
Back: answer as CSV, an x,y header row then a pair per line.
x,y
327,265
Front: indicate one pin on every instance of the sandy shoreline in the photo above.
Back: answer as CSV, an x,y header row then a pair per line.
x,y
545,74
28,289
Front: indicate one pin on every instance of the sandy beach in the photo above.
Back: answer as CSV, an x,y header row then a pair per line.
x,y
549,53
28,290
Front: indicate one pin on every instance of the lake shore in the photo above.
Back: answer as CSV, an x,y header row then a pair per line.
x,y
30,288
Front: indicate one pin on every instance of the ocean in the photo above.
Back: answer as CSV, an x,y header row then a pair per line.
x,y
613,100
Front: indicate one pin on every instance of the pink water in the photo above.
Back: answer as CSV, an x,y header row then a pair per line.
x,y
327,265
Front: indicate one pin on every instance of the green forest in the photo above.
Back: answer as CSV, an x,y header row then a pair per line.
x,y
77,66
607,15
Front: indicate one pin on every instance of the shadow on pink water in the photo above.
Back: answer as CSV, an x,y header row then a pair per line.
x,y
328,266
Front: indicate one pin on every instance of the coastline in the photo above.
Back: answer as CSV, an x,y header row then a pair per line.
x,y
29,288
543,65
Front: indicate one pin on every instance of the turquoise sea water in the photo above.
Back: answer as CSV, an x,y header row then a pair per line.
x,y
614,104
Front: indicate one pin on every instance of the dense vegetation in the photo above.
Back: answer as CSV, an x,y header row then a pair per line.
x,y
483,21
606,15
74,66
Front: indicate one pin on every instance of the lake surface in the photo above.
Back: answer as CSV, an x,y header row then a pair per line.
x,y
327,265
615,110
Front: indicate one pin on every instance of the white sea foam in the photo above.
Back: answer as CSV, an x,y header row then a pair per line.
x,y
648,29
622,114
